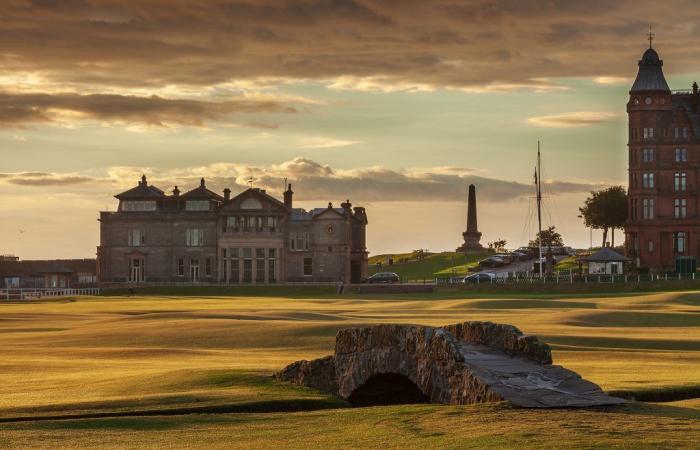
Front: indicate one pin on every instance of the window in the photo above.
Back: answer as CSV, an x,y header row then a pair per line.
x,y
299,241
138,205
650,246
207,267
247,265
648,155
136,237
195,237
679,181
679,208
197,205
330,248
181,267
308,267
234,273
648,208
648,133
679,241
634,180
272,223
271,265
648,180
633,209
259,265
680,133
681,155
259,223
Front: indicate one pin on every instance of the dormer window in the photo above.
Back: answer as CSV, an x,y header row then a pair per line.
x,y
138,205
197,205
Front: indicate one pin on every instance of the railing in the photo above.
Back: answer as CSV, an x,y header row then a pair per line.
x,y
37,293
561,277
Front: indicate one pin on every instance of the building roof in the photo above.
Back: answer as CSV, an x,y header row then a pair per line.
x,y
29,268
201,193
605,254
687,102
142,191
650,76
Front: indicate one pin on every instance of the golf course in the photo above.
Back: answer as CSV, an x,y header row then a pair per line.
x,y
195,371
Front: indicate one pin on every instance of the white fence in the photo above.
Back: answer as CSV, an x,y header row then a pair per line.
x,y
37,293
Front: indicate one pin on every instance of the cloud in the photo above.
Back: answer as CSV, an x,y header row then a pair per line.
x,y
572,119
313,181
413,45
44,179
613,80
20,109
324,142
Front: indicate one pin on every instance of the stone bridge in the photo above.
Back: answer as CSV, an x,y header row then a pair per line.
x,y
470,362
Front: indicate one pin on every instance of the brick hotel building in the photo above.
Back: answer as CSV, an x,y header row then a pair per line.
x,y
663,224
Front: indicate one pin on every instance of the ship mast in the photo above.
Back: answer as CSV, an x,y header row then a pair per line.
x,y
538,186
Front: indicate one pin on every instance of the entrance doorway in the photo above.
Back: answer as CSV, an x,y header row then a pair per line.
x,y
194,269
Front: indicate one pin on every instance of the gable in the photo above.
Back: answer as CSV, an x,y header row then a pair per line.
x,y
252,200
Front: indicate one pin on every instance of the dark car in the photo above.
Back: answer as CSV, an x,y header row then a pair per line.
x,y
383,277
492,261
478,278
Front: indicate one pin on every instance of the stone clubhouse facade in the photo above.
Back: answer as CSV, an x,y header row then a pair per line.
x,y
252,238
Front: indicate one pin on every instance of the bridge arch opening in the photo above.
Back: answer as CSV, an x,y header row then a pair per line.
x,y
387,389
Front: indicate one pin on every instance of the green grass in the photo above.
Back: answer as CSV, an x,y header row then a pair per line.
x,y
214,356
445,264
566,264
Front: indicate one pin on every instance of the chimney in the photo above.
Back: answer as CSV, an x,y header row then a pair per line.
x,y
227,194
201,182
143,180
347,206
288,196
176,192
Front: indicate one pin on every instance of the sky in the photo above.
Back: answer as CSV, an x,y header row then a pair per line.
x,y
397,105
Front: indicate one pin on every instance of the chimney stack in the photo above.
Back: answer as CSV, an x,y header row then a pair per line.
x,y
288,196
227,194
143,180
176,192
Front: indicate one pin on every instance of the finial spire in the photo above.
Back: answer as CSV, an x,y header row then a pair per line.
x,y
650,36
251,180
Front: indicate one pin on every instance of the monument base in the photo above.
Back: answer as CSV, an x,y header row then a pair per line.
x,y
471,242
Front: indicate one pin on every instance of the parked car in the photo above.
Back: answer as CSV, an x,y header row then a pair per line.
x,y
492,261
528,251
521,256
506,257
383,277
480,278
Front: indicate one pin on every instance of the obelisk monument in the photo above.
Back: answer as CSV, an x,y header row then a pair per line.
x,y
472,236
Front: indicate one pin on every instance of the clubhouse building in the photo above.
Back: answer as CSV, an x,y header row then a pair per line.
x,y
252,238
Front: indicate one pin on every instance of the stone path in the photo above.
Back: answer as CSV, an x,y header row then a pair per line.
x,y
531,385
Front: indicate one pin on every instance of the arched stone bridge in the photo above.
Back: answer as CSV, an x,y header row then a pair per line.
x,y
470,362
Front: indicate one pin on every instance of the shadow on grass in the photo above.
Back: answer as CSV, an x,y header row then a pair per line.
x,y
607,343
269,406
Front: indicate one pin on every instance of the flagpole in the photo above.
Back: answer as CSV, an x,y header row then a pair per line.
x,y
538,184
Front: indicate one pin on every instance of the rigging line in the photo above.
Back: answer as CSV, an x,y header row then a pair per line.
x,y
528,221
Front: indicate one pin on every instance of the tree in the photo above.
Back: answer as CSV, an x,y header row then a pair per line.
x,y
498,245
419,254
606,210
550,238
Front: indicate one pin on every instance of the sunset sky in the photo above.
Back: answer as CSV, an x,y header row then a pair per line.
x,y
396,105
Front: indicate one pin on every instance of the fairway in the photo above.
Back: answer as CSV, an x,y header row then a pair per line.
x,y
214,355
